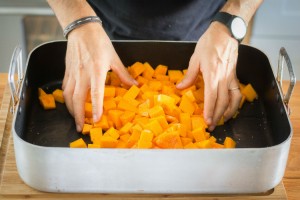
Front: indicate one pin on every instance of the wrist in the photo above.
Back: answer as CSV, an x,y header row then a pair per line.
x,y
235,25
80,22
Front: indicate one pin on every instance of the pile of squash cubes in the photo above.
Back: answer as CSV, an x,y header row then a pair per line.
x,y
152,115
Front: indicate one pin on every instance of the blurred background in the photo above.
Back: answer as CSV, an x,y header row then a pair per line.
x,y
31,22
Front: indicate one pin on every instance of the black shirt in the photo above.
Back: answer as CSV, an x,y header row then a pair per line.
x,y
156,19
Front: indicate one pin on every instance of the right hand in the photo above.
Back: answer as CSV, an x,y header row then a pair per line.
x,y
90,55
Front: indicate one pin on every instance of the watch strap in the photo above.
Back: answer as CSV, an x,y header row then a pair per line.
x,y
226,19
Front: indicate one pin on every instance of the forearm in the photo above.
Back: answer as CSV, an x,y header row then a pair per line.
x,y
242,8
68,11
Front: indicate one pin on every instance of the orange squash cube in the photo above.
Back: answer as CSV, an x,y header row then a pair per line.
x,y
199,134
175,75
88,110
156,111
78,144
229,143
249,92
41,92
169,140
95,134
109,91
103,123
160,69
155,127
47,101
58,96
137,69
148,72
186,105
190,146
108,142
86,129
132,93
145,141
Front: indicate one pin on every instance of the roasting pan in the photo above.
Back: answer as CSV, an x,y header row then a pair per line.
x,y
262,130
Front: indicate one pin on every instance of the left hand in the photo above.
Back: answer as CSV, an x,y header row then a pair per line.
x,y
215,56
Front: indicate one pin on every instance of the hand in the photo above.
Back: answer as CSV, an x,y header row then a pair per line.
x,y
90,55
215,56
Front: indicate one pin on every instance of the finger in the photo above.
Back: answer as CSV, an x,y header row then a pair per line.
x,y
67,68
191,75
235,97
97,93
234,93
68,94
123,74
79,97
221,103
210,96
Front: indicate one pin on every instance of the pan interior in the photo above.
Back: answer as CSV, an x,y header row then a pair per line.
x,y
262,123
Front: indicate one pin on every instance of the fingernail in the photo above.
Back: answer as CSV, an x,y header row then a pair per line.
x,y
209,121
211,128
179,85
95,118
78,128
135,82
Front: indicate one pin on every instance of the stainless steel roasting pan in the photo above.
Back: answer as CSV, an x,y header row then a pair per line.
x,y
262,130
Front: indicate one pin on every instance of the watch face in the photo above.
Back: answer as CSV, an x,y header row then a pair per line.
x,y
238,28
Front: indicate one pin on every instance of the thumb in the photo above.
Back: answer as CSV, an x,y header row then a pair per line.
x,y
123,74
191,75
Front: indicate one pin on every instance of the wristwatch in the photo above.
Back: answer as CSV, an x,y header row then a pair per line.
x,y
235,24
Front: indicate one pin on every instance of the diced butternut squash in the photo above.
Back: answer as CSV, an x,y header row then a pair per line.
x,y
249,92
112,133
109,91
103,123
186,105
148,72
169,140
41,92
155,127
137,69
131,93
95,134
145,141
88,110
175,75
86,129
78,144
47,101
108,142
153,114
58,96
190,146
156,111
160,70
229,143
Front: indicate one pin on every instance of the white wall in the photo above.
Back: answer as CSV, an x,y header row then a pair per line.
x,y
276,25
11,32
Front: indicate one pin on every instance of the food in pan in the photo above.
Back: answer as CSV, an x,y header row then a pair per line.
x,y
153,114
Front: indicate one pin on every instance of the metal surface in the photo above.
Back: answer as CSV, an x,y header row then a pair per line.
x,y
284,56
16,61
262,130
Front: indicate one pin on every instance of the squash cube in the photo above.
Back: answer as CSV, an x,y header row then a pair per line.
x,y
78,144
47,101
58,96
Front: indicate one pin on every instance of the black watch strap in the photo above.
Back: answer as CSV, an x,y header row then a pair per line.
x,y
226,19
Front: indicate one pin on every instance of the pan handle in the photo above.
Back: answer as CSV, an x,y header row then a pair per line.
x,y
284,56
16,61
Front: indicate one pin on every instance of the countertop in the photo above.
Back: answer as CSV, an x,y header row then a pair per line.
x,y
291,180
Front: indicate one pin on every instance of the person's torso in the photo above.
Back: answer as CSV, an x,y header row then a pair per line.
x,y
156,19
